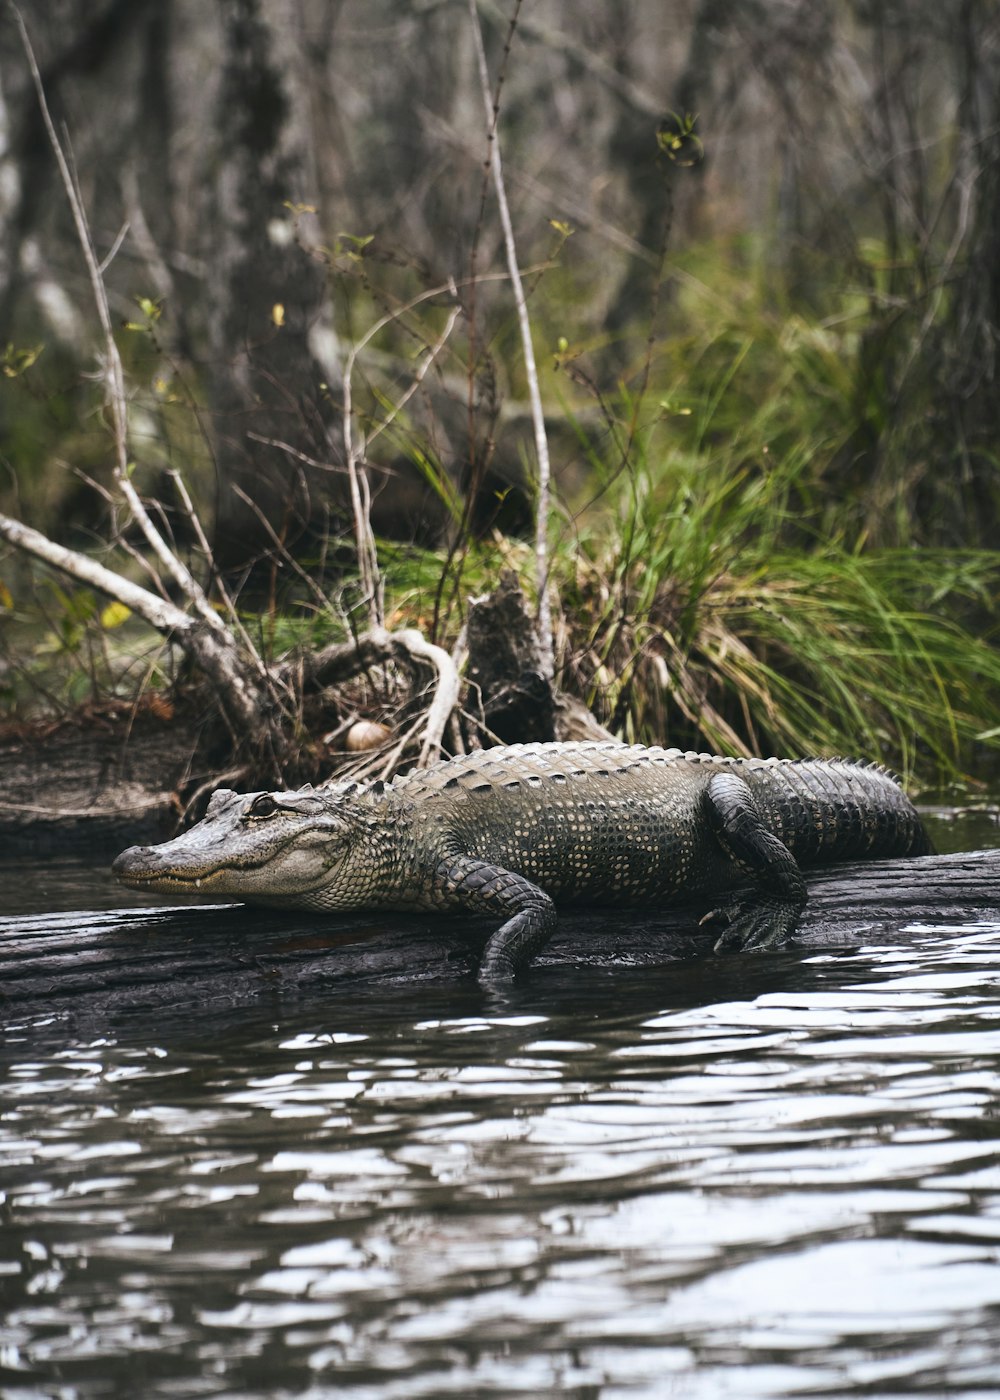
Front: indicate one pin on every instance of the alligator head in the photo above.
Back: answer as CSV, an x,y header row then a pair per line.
x,y
267,847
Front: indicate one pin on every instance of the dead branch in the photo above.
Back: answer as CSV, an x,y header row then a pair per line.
x,y
342,660
563,41
530,369
445,691
432,353
355,451
213,650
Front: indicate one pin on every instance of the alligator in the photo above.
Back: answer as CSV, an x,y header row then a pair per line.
x,y
514,831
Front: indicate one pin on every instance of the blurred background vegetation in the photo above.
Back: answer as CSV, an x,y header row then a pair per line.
x,y
762,244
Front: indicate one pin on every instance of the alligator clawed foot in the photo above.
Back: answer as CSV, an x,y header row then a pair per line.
x,y
755,925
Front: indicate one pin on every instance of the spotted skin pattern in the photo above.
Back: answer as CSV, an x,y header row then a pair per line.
x,y
512,832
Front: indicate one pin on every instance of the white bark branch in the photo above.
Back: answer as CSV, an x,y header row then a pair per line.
x,y
445,692
341,660
157,611
531,372
368,570
215,652
354,452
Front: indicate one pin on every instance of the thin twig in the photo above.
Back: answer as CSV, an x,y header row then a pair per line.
x,y
195,523
368,569
112,252
547,659
322,601
291,451
432,354
368,566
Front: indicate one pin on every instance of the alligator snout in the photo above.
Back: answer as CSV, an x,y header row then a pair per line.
x,y
137,865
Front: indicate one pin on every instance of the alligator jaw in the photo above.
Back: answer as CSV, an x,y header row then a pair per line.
x,y
140,869
289,876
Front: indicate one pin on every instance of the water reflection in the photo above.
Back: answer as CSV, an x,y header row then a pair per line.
x,y
677,1183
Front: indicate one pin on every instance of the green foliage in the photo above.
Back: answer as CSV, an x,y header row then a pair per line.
x,y
151,310
694,621
15,359
744,565
677,140
71,647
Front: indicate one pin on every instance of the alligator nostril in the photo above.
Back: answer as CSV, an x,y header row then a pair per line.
x,y
135,857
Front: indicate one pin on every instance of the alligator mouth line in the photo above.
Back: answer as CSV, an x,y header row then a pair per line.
x,y
148,877
166,877
192,883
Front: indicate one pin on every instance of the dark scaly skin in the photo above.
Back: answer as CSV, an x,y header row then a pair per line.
x,y
512,832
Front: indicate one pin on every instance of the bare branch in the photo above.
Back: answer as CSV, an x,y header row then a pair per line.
x,y
195,523
320,597
562,41
445,692
371,582
432,354
342,660
213,650
112,252
160,613
368,568
531,373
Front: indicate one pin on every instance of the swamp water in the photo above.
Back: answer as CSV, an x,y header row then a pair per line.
x,y
723,1177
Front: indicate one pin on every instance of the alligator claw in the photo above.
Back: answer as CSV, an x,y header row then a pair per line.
x,y
756,925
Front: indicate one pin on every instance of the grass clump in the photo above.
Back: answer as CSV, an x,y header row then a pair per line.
x,y
702,606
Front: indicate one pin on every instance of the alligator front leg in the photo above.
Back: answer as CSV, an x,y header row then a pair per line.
x,y
768,917
529,913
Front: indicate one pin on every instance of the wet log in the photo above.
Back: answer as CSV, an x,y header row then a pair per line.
x,y
193,958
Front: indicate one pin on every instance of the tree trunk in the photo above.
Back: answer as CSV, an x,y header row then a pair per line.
x,y
269,302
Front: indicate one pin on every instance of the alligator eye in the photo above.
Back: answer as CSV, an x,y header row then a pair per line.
x,y
262,806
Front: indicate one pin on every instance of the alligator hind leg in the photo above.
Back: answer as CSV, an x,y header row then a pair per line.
x,y
767,918
529,914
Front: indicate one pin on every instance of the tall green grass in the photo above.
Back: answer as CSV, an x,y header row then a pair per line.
x,y
706,605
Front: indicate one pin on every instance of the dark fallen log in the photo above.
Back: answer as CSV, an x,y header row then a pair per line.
x,y
157,960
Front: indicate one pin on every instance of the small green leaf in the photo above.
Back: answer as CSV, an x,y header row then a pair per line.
x,y
15,360
114,615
